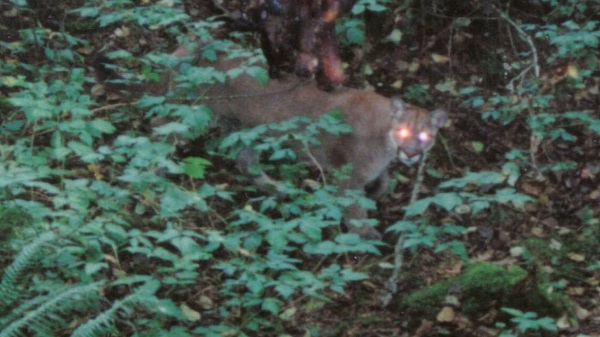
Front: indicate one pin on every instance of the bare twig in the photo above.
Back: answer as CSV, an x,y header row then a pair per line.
x,y
113,106
534,140
315,161
534,54
510,86
391,284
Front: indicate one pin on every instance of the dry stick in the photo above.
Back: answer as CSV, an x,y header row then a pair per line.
x,y
391,284
315,162
534,55
534,140
112,106
527,39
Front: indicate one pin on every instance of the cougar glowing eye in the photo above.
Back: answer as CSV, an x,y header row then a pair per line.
x,y
403,133
424,136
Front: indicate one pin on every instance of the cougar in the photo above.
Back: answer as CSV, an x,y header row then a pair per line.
x,y
383,129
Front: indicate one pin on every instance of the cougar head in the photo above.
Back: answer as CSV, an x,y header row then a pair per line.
x,y
414,129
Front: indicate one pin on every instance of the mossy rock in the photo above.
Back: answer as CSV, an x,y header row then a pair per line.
x,y
485,285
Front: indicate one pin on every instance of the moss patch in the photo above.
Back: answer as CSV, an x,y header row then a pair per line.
x,y
483,286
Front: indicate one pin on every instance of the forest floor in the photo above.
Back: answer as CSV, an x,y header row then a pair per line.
x,y
549,246
548,239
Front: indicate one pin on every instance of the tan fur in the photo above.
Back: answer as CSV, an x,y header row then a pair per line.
x,y
370,148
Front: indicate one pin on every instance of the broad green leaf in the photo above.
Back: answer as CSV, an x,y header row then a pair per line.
x,y
258,73
509,195
351,275
418,207
94,267
282,154
271,305
323,247
402,226
277,239
171,128
475,178
447,201
103,126
195,167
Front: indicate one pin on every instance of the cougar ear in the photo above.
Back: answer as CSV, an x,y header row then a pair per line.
x,y
398,106
439,118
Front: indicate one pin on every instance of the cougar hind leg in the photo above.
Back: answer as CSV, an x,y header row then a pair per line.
x,y
247,161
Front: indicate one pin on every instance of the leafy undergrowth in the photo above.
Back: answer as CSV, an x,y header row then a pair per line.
x,y
123,214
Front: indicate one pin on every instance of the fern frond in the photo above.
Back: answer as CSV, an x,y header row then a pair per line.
x,y
104,322
15,313
13,274
99,326
54,309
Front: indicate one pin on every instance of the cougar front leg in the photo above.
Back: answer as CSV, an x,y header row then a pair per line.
x,y
354,215
379,187
246,159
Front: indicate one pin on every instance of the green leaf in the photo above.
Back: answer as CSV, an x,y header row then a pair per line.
x,y
103,126
190,249
195,167
395,36
348,239
197,118
168,307
311,231
355,35
170,128
509,195
80,148
323,247
512,312
418,207
150,101
475,178
477,146
284,290
48,188
117,232
282,154
277,239
288,313
173,201
259,73
512,171
448,201
271,305
92,268
12,82
149,73
402,226
352,276
89,12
